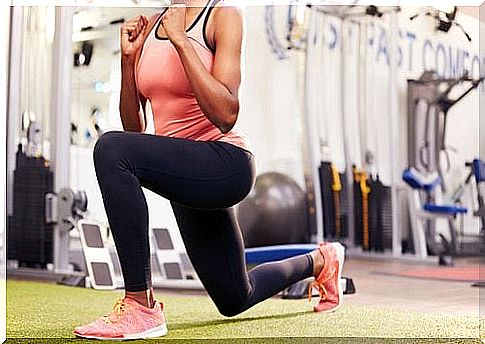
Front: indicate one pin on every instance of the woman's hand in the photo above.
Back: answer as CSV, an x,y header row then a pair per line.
x,y
173,22
132,33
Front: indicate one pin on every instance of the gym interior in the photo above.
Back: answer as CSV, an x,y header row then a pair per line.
x,y
366,128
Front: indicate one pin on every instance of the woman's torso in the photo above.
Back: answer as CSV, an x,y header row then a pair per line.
x,y
161,78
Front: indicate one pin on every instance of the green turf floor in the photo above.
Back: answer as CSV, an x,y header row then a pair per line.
x,y
38,310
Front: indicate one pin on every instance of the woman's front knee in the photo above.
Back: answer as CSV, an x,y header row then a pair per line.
x,y
105,143
108,148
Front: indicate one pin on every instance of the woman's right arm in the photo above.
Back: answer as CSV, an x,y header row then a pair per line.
x,y
132,115
132,39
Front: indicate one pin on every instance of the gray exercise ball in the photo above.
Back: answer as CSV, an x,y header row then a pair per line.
x,y
274,212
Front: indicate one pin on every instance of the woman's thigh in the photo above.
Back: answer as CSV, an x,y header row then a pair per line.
x,y
199,174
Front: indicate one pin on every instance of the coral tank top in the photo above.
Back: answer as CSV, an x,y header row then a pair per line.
x,y
161,78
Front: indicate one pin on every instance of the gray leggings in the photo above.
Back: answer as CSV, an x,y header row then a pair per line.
x,y
202,180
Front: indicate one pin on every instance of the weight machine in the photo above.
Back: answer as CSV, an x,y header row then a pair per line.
x,y
429,101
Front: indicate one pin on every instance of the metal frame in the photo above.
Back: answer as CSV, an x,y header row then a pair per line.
x,y
14,94
394,130
311,146
348,162
60,124
4,65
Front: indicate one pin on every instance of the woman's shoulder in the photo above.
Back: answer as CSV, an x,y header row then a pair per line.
x,y
228,9
228,3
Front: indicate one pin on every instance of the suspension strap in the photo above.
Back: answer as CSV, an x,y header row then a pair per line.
x,y
336,188
360,176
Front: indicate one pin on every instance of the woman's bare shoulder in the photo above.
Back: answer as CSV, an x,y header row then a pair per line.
x,y
229,3
228,10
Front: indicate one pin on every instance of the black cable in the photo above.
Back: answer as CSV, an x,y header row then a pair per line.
x,y
444,24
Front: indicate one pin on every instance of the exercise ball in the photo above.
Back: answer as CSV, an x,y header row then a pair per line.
x,y
274,212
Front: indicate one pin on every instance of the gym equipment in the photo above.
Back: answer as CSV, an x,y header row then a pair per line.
x,y
96,258
373,212
274,212
470,244
65,208
34,137
29,237
479,172
258,255
350,211
83,57
100,268
361,210
380,215
334,202
428,105
422,209
176,270
429,102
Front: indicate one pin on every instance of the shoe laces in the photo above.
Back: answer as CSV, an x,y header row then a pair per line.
x,y
319,285
117,313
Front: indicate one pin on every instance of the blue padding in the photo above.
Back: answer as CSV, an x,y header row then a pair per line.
x,y
416,181
479,170
445,209
260,255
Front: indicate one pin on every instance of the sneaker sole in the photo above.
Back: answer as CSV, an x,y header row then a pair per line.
x,y
155,332
341,259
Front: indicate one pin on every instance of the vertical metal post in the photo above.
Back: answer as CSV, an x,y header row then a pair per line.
x,y
60,122
311,142
361,93
481,89
481,148
345,124
4,60
14,93
394,132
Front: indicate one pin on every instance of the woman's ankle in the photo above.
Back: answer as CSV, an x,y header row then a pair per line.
x,y
145,298
318,262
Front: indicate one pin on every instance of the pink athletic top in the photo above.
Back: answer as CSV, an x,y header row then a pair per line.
x,y
161,78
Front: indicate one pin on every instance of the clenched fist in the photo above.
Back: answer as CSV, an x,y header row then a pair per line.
x,y
132,33
173,22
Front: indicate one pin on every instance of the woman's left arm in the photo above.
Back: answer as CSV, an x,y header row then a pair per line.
x,y
216,93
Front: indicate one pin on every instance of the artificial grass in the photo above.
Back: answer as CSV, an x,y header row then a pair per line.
x,y
40,310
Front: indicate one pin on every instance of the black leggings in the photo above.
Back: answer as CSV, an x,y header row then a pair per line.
x,y
203,180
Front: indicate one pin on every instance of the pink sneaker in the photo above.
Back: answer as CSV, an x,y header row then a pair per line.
x,y
328,281
128,320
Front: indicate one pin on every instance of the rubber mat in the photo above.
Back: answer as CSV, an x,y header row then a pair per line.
x,y
461,274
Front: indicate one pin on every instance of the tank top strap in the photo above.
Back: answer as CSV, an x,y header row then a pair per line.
x,y
155,27
197,32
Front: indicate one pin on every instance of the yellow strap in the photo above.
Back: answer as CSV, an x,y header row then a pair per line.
x,y
336,188
360,176
365,189
336,183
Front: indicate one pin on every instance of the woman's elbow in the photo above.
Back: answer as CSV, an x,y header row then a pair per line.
x,y
229,120
225,128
